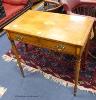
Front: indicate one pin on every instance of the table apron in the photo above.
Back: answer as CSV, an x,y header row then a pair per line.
x,y
46,43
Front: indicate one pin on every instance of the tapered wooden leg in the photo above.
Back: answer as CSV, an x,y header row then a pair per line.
x,y
17,56
77,69
85,54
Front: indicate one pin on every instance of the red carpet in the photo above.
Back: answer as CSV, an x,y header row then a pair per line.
x,y
60,65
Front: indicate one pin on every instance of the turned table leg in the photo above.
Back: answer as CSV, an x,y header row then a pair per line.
x,y
85,54
17,56
77,69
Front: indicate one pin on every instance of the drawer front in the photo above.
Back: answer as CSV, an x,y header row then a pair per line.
x,y
58,46
44,43
24,38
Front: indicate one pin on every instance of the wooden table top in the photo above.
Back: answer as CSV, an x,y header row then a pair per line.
x,y
71,29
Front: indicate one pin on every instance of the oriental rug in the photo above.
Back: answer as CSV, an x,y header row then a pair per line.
x,y
57,66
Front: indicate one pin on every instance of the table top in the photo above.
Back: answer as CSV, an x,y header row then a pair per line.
x,y
73,29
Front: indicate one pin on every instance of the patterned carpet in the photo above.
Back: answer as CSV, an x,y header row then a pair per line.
x,y
59,65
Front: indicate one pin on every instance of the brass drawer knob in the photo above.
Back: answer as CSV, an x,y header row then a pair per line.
x,y
18,38
60,47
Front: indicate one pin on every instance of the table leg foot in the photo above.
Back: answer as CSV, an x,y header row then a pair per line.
x,y
75,94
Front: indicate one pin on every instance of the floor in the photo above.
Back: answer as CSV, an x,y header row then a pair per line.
x,y
34,86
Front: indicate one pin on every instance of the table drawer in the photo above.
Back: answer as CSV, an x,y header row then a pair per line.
x,y
24,38
58,46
